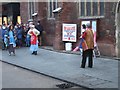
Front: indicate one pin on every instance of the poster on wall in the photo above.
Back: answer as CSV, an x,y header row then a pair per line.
x,y
69,32
94,28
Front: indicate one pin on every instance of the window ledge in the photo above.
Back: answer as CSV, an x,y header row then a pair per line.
x,y
51,18
91,17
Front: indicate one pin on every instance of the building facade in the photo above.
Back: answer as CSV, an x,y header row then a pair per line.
x,y
106,16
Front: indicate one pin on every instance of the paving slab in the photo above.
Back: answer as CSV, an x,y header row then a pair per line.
x,y
104,73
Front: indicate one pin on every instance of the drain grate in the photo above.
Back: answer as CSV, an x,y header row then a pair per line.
x,y
65,85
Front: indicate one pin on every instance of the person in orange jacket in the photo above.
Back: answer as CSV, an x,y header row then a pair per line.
x,y
87,46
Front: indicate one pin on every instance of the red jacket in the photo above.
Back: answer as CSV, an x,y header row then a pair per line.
x,y
33,38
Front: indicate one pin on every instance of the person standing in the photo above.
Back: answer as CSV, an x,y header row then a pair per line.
x,y
33,32
88,46
6,39
26,37
4,30
40,29
1,36
19,35
81,39
11,40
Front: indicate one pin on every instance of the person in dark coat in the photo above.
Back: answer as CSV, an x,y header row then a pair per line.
x,y
19,35
4,32
40,29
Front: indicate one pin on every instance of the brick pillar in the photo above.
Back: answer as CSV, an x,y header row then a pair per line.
x,y
24,12
58,43
67,15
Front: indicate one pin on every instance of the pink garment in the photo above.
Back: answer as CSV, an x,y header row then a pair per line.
x,y
95,44
76,49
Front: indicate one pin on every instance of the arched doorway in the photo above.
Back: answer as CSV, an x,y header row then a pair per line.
x,y
118,29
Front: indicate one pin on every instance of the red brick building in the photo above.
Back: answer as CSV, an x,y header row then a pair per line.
x,y
106,15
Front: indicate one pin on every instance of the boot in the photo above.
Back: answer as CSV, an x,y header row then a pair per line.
x,y
35,52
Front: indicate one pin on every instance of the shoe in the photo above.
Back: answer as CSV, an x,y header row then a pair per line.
x,y
9,54
90,66
14,54
35,53
82,67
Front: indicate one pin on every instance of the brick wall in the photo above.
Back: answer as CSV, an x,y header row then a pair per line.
x,y
24,11
53,28
67,15
48,24
106,31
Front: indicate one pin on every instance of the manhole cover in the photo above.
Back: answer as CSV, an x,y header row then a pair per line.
x,y
65,85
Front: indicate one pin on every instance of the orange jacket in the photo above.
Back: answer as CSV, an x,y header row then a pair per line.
x,y
88,36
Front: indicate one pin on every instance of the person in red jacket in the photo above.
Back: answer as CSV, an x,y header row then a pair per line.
x,y
33,32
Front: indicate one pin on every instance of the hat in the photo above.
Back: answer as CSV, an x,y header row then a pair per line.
x,y
88,25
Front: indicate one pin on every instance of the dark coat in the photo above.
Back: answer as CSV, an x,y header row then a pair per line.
x,y
39,28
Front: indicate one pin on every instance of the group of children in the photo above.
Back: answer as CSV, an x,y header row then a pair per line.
x,y
14,36
20,35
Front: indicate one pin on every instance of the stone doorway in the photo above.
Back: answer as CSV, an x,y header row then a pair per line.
x,y
118,29
11,12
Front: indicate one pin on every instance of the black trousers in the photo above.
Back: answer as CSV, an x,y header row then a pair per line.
x,y
88,53
11,48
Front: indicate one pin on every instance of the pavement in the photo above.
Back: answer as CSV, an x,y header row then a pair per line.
x,y
66,67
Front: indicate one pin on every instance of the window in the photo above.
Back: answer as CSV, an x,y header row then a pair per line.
x,y
32,7
91,8
95,8
52,5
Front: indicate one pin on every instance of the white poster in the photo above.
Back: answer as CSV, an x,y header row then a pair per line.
x,y
94,27
69,32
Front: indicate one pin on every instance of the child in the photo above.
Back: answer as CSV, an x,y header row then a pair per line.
x,y
27,40
6,41
12,44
